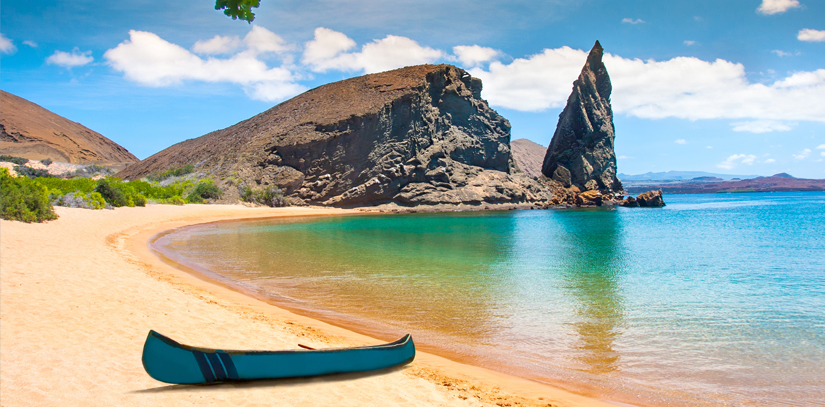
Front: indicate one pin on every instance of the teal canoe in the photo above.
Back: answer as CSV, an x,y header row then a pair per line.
x,y
170,362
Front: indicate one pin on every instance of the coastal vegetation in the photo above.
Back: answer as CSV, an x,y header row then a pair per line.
x,y
23,199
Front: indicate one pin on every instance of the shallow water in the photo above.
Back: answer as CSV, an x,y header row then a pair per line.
x,y
714,299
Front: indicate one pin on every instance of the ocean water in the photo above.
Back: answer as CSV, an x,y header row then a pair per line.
x,y
715,299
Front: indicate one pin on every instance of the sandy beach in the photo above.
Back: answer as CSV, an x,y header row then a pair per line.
x,y
79,294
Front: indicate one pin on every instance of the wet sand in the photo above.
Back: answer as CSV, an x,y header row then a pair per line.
x,y
79,294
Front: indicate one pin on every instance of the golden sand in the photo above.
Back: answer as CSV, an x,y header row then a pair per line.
x,y
78,296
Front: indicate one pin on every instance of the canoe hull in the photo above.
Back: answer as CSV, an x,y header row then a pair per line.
x,y
170,362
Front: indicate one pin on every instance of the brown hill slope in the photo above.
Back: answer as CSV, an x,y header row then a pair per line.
x,y
775,183
528,155
416,135
30,131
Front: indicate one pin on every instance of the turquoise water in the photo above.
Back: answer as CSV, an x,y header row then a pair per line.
x,y
714,299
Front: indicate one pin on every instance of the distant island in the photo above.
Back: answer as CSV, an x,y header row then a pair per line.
x,y
712,184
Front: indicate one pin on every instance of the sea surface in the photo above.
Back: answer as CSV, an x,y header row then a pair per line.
x,y
715,299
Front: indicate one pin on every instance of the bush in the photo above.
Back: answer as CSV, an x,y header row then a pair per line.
x,y
204,190
46,161
112,194
12,159
24,199
81,200
172,172
269,196
31,172
175,200
90,171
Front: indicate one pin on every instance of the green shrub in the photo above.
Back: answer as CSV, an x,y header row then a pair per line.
x,y
175,200
46,161
204,190
24,199
269,196
112,194
13,159
81,200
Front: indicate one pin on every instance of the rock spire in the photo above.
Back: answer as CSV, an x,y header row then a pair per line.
x,y
581,152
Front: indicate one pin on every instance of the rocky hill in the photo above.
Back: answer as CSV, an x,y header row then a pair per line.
x,y
776,183
528,156
581,151
416,135
30,131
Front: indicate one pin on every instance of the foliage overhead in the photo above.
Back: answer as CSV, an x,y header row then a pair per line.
x,y
238,8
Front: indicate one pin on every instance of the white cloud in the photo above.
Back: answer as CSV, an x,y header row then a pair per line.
x,y
821,147
822,153
473,55
689,42
776,6
781,53
680,141
260,39
328,51
6,45
803,154
709,147
70,60
217,45
682,87
736,159
30,43
632,21
811,35
761,126
152,61
769,161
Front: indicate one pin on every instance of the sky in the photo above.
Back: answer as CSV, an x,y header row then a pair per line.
x,y
733,87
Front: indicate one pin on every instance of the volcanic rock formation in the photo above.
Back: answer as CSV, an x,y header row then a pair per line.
x,y
416,135
581,151
30,131
528,156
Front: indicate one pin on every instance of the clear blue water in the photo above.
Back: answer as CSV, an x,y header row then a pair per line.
x,y
714,299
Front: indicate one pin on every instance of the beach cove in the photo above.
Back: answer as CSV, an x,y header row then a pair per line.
x,y
79,295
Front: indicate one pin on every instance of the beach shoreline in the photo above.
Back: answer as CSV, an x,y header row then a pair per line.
x,y
85,289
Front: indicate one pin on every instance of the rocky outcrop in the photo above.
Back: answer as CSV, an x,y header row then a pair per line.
x,y
650,199
30,131
581,151
412,136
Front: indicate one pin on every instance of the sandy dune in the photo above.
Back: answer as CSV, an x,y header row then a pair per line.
x,y
79,295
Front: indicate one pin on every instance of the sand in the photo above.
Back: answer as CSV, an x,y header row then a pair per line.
x,y
79,294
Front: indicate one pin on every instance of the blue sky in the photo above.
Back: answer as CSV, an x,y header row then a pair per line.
x,y
729,87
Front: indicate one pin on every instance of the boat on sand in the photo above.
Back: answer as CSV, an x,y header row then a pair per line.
x,y
168,361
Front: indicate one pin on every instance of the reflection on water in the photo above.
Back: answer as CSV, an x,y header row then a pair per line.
x,y
713,299
592,270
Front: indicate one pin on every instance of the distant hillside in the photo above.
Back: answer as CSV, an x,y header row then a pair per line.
x,y
30,131
775,183
679,175
410,136
528,156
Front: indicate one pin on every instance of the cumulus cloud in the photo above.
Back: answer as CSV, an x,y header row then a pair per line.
x,y
473,55
70,60
735,160
802,154
682,87
680,141
328,50
761,126
30,43
217,45
632,21
821,147
810,35
6,45
776,6
149,60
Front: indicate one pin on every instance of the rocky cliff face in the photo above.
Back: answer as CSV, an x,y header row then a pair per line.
x,y
30,131
416,135
581,151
